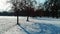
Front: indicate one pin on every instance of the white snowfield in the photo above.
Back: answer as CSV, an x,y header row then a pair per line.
x,y
8,24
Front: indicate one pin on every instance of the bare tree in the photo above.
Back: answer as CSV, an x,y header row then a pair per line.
x,y
18,5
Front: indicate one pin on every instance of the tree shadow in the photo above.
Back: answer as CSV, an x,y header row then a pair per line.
x,y
23,29
45,29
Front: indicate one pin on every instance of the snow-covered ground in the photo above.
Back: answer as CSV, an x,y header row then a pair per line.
x,y
36,25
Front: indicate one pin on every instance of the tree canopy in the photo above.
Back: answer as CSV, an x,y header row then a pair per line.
x,y
22,4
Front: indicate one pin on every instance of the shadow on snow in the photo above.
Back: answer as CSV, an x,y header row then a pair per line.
x,y
41,28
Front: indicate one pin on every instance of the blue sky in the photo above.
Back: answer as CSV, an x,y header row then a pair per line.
x,y
7,6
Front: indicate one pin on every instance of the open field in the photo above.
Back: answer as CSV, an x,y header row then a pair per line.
x,y
36,25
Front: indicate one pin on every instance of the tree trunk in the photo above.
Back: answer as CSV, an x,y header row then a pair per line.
x,y
27,18
17,19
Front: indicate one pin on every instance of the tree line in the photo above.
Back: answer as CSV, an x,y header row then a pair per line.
x,y
5,13
51,8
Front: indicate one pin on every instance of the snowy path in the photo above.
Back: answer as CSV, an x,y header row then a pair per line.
x,y
37,25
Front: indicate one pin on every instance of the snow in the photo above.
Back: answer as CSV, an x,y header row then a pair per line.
x,y
35,25
15,30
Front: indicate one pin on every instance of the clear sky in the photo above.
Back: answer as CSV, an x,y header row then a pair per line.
x,y
6,6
